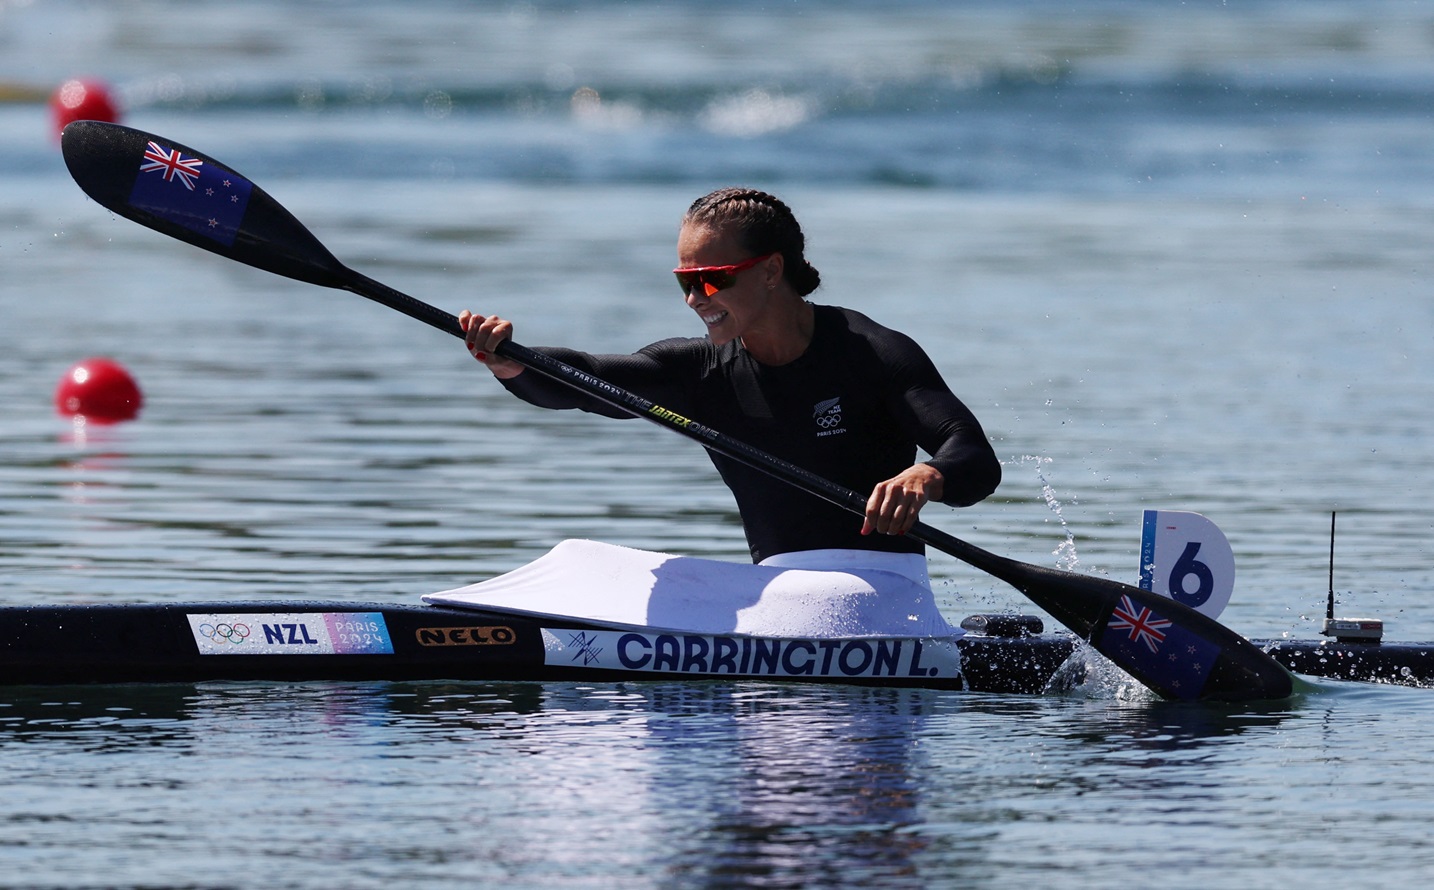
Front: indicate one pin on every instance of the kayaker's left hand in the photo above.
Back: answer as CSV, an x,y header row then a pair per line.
x,y
895,504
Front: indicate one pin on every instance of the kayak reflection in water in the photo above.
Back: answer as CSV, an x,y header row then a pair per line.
x,y
823,387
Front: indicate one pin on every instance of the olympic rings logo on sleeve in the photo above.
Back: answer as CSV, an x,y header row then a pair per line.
x,y
235,633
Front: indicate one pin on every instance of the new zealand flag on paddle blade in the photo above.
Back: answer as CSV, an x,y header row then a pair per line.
x,y
191,193
1159,647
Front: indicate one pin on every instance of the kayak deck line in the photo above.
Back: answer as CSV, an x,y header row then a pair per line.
x,y
295,641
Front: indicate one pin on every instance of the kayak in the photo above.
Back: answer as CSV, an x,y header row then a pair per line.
x,y
298,641
577,614
301,641
584,611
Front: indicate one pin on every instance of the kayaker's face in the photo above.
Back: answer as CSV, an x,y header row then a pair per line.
x,y
739,310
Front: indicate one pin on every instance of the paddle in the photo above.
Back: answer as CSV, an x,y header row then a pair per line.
x,y
173,189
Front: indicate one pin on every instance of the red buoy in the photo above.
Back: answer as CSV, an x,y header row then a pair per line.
x,y
99,390
83,100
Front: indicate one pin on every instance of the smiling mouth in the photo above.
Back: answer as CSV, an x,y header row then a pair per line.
x,y
713,319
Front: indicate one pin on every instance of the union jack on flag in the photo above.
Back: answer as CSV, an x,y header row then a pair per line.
x,y
1140,623
170,164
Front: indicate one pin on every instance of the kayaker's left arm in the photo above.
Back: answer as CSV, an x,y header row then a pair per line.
x,y
963,468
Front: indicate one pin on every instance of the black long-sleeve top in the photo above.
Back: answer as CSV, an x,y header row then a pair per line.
x,y
853,409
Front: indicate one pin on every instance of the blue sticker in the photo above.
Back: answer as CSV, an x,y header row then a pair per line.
x,y
291,633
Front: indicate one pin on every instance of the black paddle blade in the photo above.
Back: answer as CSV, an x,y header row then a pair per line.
x,y
1166,645
180,192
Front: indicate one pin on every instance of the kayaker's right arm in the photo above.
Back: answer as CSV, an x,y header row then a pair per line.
x,y
641,372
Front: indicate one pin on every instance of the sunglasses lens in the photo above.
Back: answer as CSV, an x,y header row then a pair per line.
x,y
715,281
710,281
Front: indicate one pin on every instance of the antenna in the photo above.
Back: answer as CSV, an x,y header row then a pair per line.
x,y
1347,630
1329,609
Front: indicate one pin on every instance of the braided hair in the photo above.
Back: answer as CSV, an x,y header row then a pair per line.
x,y
763,224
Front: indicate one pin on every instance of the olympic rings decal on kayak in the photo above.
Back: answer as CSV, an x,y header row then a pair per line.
x,y
234,633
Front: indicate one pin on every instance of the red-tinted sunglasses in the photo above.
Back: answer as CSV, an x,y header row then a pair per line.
x,y
714,278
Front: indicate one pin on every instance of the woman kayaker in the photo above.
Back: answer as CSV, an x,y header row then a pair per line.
x,y
823,387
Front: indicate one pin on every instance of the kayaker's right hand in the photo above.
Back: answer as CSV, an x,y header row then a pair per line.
x,y
482,334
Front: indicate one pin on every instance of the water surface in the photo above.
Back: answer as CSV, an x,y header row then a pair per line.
x,y
1173,256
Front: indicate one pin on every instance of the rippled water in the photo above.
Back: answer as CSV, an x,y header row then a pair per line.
x,y
1173,257
704,784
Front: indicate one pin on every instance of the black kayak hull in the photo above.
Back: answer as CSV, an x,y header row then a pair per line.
x,y
172,643
300,641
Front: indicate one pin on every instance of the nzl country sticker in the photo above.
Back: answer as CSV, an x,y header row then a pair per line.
x,y
677,653
291,633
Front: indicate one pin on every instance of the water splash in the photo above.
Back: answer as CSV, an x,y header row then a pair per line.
x,y
1065,552
1089,675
